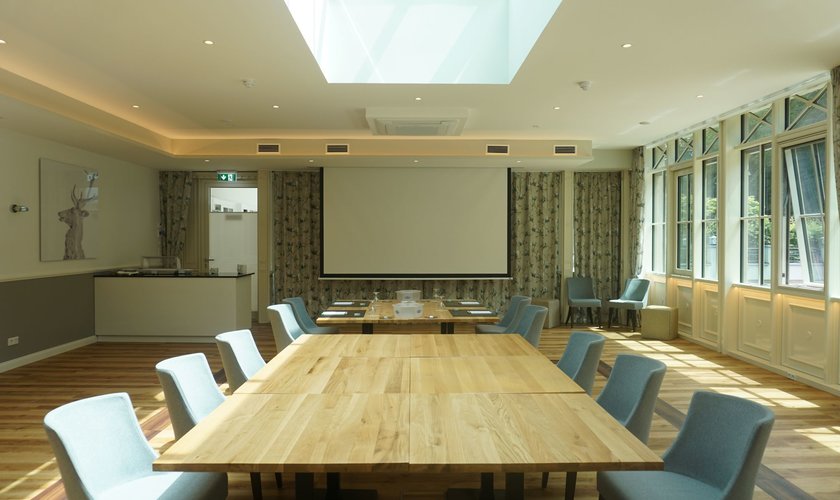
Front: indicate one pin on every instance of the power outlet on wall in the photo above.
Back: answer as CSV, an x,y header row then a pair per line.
x,y
12,341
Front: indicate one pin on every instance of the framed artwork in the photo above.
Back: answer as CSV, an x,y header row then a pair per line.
x,y
69,211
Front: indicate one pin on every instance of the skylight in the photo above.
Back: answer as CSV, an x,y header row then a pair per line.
x,y
421,41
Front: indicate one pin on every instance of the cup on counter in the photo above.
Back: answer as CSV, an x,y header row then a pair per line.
x,y
213,271
241,269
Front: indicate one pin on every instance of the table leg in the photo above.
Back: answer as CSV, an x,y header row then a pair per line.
x,y
486,491
304,485
514,486
333,486
447,327
367,328
256,486
571,480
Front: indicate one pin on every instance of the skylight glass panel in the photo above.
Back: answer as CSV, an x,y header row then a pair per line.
x,y
421,41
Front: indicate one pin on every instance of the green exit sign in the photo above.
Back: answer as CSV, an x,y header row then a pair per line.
x,y
226,176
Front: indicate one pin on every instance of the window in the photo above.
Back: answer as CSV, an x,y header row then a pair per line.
x,y
756,170
660,156
805,109
709,221
803,203
711,140
658,223
685,148
757,125
684,215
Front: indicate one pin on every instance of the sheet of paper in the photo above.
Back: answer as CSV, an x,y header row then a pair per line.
x,y
470,303
479,312
334,313
343,303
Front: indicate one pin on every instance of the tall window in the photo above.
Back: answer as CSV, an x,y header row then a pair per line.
x,y
806,108
709,220
658,223
803,203
756,171
684,215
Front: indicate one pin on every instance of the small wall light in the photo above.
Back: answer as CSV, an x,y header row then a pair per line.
x,y
16,209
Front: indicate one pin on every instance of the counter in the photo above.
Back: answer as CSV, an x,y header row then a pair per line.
x,y
176,308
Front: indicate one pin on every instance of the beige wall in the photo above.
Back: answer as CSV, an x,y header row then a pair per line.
x,y
128,204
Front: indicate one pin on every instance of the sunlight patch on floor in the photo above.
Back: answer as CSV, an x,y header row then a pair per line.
x,y
28,475
767,396
826,436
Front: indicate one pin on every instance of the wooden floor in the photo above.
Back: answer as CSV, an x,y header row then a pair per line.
x,y
802,459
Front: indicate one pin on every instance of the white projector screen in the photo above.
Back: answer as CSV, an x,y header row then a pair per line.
x,y
423,223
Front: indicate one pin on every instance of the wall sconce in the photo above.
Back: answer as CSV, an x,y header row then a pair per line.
x,y
16,209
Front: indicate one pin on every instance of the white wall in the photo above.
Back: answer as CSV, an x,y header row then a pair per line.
x,y
128,209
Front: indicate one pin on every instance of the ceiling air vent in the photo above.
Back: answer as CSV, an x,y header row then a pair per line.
x,y
498,149
565,150
268,149
338,149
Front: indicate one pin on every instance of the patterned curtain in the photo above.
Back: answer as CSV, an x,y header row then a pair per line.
x,y
637,212
536,243
835,87
175,195
597,222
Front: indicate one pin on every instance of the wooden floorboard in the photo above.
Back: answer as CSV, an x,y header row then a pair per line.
x,y
802,458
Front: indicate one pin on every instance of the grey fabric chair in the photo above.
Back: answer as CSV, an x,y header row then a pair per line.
x,y
511,319
581,357
580,293
716,454
240,357
284,326
304,320
101,453
630,397
531,324
633,299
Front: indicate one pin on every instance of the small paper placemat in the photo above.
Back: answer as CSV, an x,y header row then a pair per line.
x,y
462,303
342,314
471,312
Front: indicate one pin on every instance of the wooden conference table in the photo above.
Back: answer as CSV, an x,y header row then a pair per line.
x,y
369,313
408,404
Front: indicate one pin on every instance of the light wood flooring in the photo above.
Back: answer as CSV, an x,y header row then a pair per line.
x,y
802,459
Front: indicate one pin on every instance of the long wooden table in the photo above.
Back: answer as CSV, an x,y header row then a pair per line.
x,y
421,403
382,313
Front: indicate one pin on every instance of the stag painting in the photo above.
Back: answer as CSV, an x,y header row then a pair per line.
x,y
74,217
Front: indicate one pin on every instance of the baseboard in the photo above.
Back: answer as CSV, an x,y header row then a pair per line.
x,y
156,338
46,353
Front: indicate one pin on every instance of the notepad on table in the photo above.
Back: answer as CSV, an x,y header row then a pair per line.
x,y
343,303
480,312
334,313
470,303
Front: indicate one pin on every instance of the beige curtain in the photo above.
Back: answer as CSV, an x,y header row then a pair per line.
x,y
175,195
835,114
637,212
535,240
597,230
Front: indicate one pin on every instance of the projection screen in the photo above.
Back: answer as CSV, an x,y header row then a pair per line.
x,y
421,223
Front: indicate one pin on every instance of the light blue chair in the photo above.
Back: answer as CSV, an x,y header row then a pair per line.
x,y
631,391
581,357
633,299
510,321
101,453
190,390
531,324
240,357
716,454
580,293
304,320
284,326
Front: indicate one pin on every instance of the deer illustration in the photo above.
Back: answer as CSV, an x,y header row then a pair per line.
x,y
74,218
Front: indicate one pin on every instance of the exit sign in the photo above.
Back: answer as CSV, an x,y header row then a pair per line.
x,y
226,176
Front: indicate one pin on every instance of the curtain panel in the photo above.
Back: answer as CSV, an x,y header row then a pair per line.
x,y
597,231
835,118
175,196
536,233
635,233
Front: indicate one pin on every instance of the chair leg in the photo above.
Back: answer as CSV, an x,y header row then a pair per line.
x,y
545,480
609,317
278,478
569,316
571,481
589,313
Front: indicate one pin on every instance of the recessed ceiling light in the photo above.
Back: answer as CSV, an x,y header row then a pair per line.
x,y
311,161
626,45
418,98
699,96
518,161
135,106
416,161
556,108
209,42
206,161
276,106
2,42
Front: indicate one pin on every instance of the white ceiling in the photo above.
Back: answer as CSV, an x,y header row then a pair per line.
x,y
71,70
